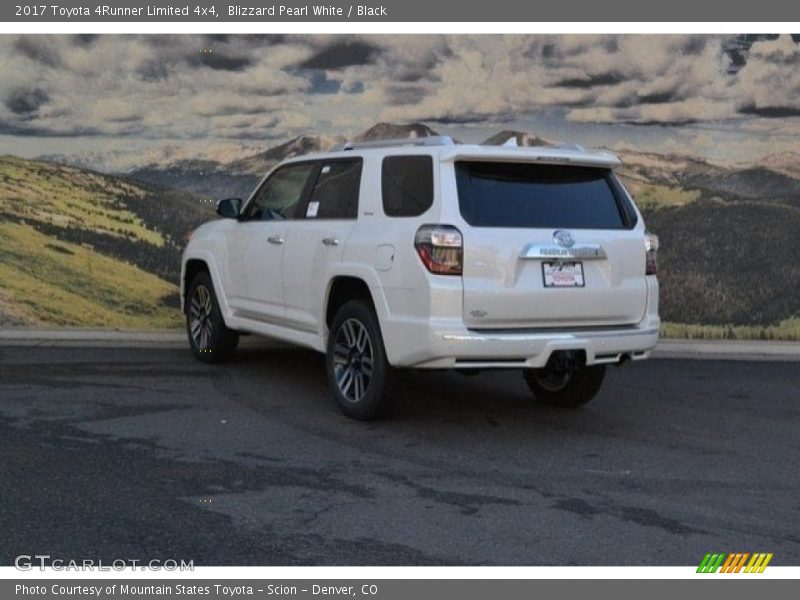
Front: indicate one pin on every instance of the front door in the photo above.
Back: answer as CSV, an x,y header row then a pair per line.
x,y
255,250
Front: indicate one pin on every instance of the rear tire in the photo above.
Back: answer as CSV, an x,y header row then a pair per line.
x,y
566,389
360,377
210,339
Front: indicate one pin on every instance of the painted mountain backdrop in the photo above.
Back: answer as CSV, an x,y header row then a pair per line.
x,y
83,248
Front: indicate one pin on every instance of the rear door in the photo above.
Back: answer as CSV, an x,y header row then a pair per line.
x,y
316,240
548,246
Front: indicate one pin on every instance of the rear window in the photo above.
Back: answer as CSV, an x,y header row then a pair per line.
x,y
493,194
407,183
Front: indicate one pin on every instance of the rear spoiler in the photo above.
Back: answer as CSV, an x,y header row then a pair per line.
x,y
533,154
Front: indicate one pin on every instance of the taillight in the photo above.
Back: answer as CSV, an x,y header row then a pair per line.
x,y
651,254
440,247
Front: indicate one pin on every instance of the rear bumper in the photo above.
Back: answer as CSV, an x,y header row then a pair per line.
x,y
458,347
440,340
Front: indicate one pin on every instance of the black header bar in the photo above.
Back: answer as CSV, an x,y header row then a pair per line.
x,y
473,11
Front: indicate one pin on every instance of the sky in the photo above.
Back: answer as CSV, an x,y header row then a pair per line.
x,y
728,98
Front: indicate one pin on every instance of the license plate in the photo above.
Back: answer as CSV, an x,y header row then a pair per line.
x,y
562,274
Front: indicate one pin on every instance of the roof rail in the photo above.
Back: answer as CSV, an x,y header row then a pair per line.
x,y
573,147
430,140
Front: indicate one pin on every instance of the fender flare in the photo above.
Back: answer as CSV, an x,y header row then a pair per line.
x,y
206,257
373,283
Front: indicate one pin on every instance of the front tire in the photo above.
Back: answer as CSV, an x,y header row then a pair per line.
x,y
565,388
210,339
359,375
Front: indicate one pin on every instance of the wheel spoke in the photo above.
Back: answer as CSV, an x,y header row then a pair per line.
x,y
201,323
366,365
196,326
194,307
359,386
361,338
345,381
349,334
340,353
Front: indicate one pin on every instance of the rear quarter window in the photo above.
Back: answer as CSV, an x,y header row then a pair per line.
x,y
493,194
407,185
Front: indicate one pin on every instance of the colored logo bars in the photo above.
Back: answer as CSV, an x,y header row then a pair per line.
x,y
734,563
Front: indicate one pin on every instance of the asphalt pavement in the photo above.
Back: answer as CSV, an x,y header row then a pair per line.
x,y
141,452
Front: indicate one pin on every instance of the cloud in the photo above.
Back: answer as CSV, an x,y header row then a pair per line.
x,y
84,39
26,101
152,70
401,94
769,84
269,86
600,79
771,112
340,55
116,110
7,128
39,49
219,61
605,75
661,97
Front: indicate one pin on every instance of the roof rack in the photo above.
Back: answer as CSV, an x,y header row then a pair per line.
x,y
431,140
574,147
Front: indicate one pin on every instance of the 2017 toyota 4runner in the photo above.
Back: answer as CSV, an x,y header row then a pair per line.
x,y
427,254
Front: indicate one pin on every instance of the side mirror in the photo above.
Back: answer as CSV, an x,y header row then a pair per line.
x,y
229,208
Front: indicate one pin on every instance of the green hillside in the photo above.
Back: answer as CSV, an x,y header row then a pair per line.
x,y
85,249
71,198
728,263
47,282
79,248
656,195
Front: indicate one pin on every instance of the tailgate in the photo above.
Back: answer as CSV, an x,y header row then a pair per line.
x,y
504,280
548,246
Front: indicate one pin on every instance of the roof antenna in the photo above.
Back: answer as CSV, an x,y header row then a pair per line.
x,y
511,142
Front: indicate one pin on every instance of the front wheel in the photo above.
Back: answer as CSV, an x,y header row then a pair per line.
x,y
209,337
358,373
565,388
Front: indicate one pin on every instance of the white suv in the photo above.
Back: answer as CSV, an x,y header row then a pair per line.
x,y
427,254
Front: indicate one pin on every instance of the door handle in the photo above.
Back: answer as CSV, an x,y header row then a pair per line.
x,y
275,239
330,241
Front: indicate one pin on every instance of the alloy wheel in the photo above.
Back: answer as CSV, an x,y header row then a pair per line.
x,y
201,325
352,360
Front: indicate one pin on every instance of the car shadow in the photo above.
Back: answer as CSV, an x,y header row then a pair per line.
x,y
297,381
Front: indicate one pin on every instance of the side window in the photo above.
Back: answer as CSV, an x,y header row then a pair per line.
x,y
278,197
407,183
335,195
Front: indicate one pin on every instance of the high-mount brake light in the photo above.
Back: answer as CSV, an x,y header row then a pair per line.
x,y
440,247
